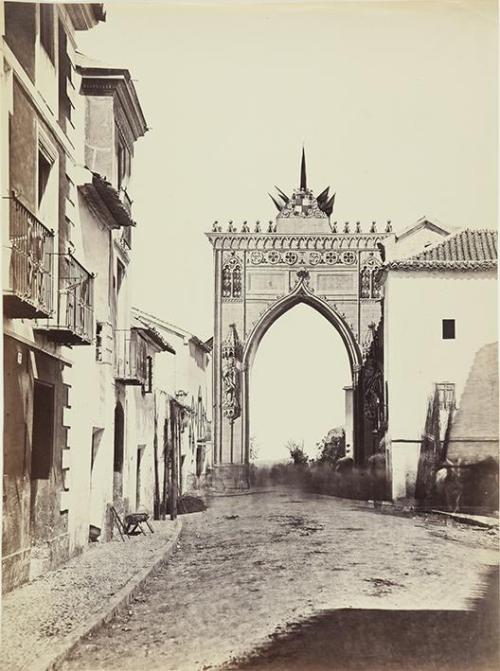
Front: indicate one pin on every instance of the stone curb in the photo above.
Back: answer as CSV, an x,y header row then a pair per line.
x,y
52,660
464,518
389,506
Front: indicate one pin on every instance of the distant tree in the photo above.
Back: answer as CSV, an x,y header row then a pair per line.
x,y
332,447
297,454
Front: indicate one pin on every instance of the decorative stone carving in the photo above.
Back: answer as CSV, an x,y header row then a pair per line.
x,y
348,258
231,354
331,258
290,258
256,257
314,258
231,277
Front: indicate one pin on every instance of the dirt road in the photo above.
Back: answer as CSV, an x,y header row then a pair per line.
x,y
259,578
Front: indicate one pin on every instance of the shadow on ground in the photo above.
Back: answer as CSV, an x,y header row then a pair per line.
x,y
398,640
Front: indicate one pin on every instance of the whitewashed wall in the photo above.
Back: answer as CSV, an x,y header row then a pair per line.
x,y
416,356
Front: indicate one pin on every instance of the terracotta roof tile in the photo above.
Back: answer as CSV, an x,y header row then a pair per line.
x,y
467,249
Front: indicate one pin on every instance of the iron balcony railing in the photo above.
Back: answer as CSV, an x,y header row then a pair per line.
x,y
30,289
131,364
74,320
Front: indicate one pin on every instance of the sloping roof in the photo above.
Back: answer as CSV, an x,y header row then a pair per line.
x,y
153,334
465,250
423,222
162,324
115,206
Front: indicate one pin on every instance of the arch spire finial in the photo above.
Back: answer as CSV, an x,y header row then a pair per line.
x,y
303,174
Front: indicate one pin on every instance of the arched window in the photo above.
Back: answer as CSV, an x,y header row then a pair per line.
x,y
231,278
368,283
365,282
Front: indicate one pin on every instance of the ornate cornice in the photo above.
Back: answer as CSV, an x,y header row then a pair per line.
x,y
116,82
302,241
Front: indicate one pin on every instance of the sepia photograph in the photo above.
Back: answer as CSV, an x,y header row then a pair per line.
x,y
250,335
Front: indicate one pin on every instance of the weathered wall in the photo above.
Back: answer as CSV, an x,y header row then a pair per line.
x,y
100,137
416,356
35,530
23,149
474,432
20,33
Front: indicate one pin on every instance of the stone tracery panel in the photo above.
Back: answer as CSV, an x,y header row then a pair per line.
x,y
231,277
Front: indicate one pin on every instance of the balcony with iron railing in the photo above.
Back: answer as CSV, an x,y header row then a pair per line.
x,y
73,323
132,361
28,259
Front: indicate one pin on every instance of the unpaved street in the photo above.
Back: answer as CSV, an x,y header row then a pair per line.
x,y
256,571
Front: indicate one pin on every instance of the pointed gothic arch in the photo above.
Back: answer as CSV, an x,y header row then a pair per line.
x,y
303,258
301,294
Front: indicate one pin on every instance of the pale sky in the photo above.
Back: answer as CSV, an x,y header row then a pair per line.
x,y
296,383
396,103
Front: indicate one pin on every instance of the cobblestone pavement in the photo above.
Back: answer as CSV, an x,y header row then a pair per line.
x,y
253,566
38,617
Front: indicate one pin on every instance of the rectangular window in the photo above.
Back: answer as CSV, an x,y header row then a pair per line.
x,y
148,387
98,341
47,29
448,329
446,395
43,431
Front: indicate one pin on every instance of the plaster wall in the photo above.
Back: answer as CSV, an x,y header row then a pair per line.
x,y
413,243
416,356
100,136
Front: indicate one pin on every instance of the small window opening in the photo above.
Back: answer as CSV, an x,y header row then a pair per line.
x,y
148,387
98,341
448,329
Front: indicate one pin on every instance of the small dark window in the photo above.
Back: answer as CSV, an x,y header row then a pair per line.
x,y
148,387
43,431
47,29
98,341
448,329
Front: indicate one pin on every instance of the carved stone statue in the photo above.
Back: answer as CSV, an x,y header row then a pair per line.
x,y
231,375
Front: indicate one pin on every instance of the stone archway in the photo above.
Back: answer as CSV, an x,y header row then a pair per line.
x,y
302,257
300,294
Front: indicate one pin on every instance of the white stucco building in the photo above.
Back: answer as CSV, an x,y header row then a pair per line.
x,y
439,311
183,388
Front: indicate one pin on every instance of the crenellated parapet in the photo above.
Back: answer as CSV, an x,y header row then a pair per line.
x,y
301,241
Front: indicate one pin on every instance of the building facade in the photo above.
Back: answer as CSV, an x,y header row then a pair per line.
x,y
47,288
182,410
78,385
440,343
